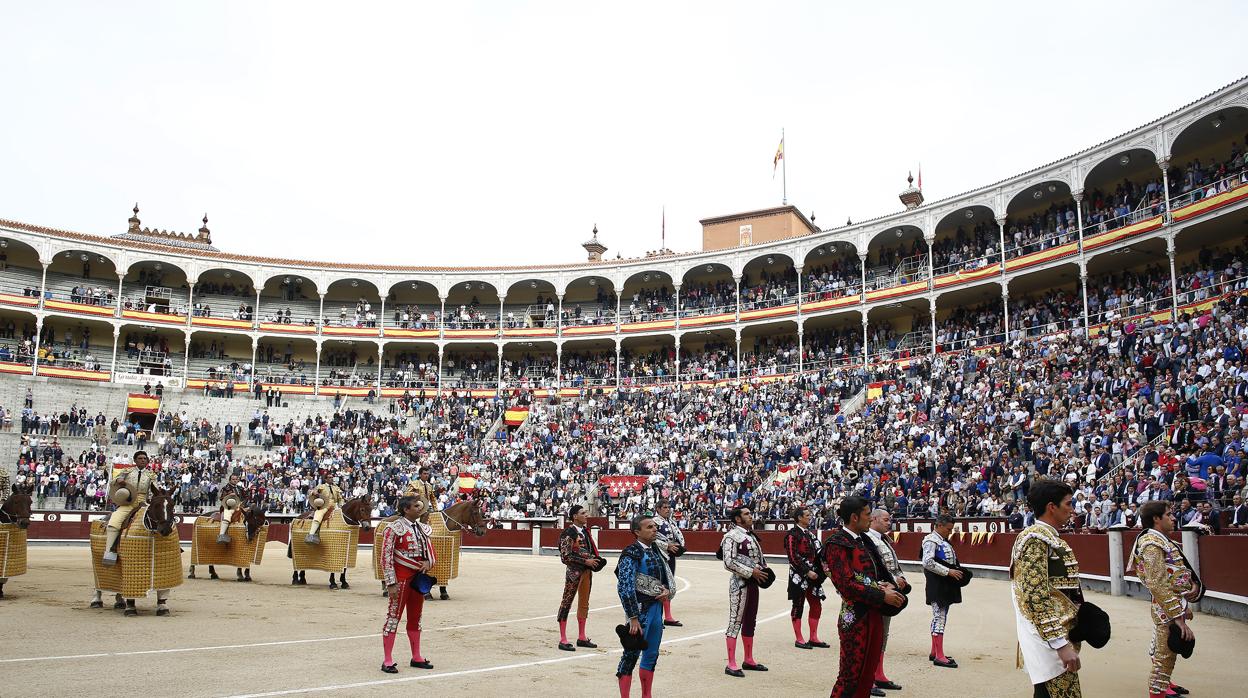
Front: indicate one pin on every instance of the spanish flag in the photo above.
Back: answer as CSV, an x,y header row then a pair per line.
x,y
515,416
467,484
779,156
142,404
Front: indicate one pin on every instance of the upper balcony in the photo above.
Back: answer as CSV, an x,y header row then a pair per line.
x,y
1159,177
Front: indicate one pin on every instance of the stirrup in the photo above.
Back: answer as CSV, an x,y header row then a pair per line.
x,y
110,558
312,539
223,539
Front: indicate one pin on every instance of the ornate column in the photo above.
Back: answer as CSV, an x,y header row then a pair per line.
x,y
801,349
1083,281
316,379
1005,304
190,301
1001,237
862,259
381,348
1078,194
866,348
255,317
440,352
1164,164
677,290
678,381
43,283
112,371
618,342
441,332
381,322
559,319
558,365
255,344
502,298
931,304
121,277
1174,280
34,364
930,240
320,316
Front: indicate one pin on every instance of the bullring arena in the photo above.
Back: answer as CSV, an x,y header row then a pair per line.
x,y
269,639
1085,321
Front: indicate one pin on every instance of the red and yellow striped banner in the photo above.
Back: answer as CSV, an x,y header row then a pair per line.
x,y
75,373
139,402
228,323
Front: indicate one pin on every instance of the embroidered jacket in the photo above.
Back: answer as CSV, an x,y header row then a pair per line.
x,y
576,549
1045,576
742,553
803,550
1161,566
639,572
888,554
853,573
669,533
403,544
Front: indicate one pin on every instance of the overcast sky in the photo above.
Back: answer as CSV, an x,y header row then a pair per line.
x,y
501,132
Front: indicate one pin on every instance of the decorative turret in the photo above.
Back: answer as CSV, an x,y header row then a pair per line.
x,y
204,236
912,197
593,247
135,231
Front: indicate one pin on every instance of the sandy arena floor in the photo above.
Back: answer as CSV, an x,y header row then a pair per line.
x,y
497,636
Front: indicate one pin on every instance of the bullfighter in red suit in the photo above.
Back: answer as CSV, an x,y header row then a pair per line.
x,y
805,578
853,572
406,551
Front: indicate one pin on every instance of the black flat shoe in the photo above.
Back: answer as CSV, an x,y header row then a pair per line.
x,y
567,647
1179,689
390,668
802,645
586,643
673,624
948,663
753,667
888,685
878,692
422,664
818,643
734,672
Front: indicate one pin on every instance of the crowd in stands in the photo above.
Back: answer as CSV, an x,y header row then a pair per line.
x,y
1144,409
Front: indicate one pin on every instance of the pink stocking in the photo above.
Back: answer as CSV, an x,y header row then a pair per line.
x,y
563,632
732,652
647,682
387,644
749,649
580,624
626,684
797,629
413,636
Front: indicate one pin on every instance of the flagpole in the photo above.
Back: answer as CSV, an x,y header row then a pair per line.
x,y
784,173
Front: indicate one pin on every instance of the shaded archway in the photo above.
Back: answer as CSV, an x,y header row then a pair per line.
x,y
896,257
1206,158
966,240
1040,217
589,301
768,281
648,296
708,289
1122,189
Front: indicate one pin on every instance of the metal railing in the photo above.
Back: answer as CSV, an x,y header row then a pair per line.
x,y
968,265
1233,181
1050,240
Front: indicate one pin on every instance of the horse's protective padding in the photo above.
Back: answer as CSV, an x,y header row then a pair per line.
x,y
446,544
147,561
12,550
239,552
339,544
